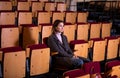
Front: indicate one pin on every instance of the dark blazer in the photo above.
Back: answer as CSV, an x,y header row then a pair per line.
x,y
55,45
65,54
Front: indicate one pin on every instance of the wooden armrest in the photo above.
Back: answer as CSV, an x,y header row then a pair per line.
x,y
53,53
1,56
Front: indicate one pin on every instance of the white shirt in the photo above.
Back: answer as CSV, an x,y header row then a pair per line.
x,y
59,37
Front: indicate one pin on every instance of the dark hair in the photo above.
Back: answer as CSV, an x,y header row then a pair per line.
x,y
55,24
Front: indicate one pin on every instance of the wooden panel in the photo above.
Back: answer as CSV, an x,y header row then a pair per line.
x,y
14,65
40,61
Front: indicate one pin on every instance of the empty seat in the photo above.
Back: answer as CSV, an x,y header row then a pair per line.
x,y
106,29
44,17
94,69
5,5
112,68
36,6
50,6
39,59
112,47
61,6
13,61
30,35
82,31
7,18
70,17
24,17
23,6
95,30
69,31
82,17
9,36
57,15
80,48
76,73
98,49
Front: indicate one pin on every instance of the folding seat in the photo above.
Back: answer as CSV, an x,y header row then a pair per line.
x,y
9,35
105,29
70,17
112,68
30,35
50,6
13,62
24,17
98,49
46,30
94,69
80,48
57,15
82,17
112,47
61,6
36,6
5,5
76,73
23,6
82,31
44,17
39,59
69,31
95,30
7,18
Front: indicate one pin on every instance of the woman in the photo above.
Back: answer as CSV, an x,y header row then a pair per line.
x,y
58,43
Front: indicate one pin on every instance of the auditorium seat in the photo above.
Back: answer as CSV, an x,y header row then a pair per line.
x,y
112,68
46,30
39,59
50,6
80,48
23,6
69,31
112,47
9,36
98,49
76,73
82,31
44,17
94,69
7,18
57,15
24,17
5,5
61,6
106,29
30,35
13,62
82,17
36,6
95,30
70,17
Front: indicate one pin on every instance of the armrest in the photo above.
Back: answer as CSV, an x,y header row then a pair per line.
x,y
53,53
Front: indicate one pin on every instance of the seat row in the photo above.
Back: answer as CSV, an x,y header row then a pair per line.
x,y
14,58
30,34
41,17
32,6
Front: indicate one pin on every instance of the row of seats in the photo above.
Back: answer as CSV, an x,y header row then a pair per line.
x,y
32,6
93,70
30,34
14,58
41,17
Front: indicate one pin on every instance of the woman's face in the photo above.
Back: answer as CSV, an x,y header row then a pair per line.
x,y
59,28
